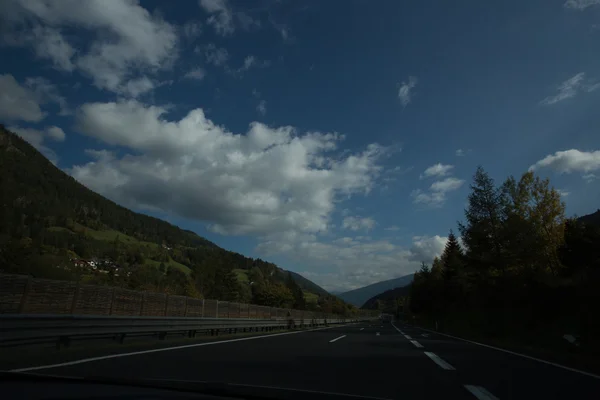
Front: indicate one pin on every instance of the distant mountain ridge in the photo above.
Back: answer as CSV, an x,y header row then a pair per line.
x,y
359,296
386,300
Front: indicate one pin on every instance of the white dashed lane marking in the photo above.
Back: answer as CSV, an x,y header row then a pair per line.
x,y
436,359
417,344
337,338
480,392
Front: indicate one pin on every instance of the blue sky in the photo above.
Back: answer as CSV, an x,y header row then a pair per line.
x,y
337,139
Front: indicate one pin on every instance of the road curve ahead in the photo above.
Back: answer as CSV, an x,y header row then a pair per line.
x,y
381,360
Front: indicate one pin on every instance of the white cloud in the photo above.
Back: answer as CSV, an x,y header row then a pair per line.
x,y
283,29
592,86
581,4
425,248
563,193
49,43
247,22
23,103
127,38
192,29
36,139
252,62
566,90
436,195
358,223
17,102
570,88
262,107
196,73
56,133
446,185
351,262
437,170
404,93
137,87
214,6
570,161
249,61
262,182
589,177
434,199
460,153
393,228
214,55
46,92
221,18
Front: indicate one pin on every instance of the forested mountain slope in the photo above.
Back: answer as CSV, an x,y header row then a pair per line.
x,y
54,227
388,301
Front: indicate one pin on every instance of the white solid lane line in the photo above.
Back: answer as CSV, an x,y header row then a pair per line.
x,y
417,344
436,359
355,396
337,338
517,354
187,346
398,329
480,392
408,337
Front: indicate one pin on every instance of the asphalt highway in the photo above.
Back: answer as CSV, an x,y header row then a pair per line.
x,y
381,360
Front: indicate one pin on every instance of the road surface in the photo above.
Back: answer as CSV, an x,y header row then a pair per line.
x,y
382,360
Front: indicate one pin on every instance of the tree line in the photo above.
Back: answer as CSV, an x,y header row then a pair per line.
x,y
520,269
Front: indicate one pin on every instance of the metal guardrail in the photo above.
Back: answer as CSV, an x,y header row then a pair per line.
x,y
21,329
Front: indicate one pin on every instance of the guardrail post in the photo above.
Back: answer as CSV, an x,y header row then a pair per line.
x,y
142,303
112,301
75,297
25,296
